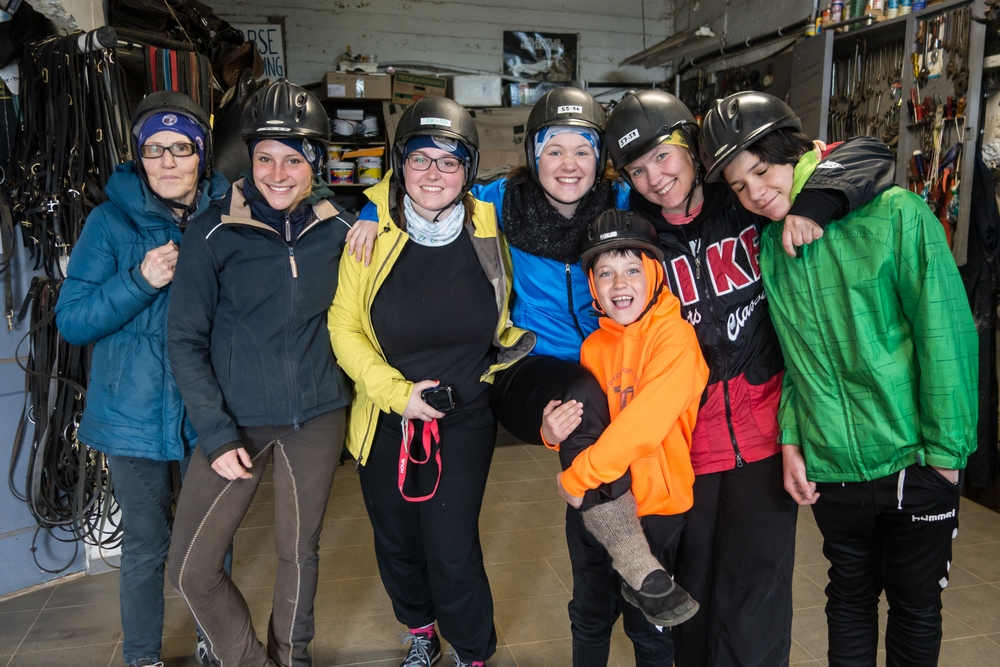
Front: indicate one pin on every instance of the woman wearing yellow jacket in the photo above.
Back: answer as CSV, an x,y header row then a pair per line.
x,y
421,330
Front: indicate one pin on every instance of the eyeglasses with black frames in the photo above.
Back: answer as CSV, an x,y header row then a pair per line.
x,y
180,149
447,164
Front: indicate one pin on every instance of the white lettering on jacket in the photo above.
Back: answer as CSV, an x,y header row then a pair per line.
x,y
739,317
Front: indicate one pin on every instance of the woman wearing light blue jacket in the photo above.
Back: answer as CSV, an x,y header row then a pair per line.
x,y
116,296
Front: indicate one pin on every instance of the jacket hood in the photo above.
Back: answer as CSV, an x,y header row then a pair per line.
x,y
655,281
803,171
129,192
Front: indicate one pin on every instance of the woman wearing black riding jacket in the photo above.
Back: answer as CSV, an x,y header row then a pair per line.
x,y
116,295
737,552
249,349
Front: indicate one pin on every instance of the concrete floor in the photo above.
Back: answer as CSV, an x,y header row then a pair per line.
x,y
77,622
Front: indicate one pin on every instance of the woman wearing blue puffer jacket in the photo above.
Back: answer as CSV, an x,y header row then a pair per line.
x,y
116,296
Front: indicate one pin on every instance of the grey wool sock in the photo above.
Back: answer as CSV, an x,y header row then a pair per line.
x,y
616,525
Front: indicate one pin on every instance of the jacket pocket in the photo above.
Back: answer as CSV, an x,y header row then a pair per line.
x,y
247,392
764,401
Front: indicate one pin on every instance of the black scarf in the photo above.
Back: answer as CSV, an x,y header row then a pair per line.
x,y
531,223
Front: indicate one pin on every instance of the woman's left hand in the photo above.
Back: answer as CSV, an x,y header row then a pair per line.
x,y
798,231
416,408
575,501
361,240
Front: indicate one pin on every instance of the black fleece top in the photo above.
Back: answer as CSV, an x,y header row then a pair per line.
x,y
434,317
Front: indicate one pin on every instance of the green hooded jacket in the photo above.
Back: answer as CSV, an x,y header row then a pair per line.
x,y
879,341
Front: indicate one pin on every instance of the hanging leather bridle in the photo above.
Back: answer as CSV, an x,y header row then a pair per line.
x,y
75,133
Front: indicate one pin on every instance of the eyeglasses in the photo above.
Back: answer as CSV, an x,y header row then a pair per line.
x,y
446,165
180,149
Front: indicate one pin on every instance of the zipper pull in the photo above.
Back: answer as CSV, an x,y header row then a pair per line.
x,y
295,424
295,267
288,229
567,269
739,460
697,267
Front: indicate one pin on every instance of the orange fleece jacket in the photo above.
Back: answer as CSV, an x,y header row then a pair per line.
x,y
654,374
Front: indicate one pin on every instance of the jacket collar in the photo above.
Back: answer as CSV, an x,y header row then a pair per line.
x,y
130,193
239,213
383,195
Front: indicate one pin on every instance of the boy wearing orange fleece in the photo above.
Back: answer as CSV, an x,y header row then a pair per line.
x,y
650,363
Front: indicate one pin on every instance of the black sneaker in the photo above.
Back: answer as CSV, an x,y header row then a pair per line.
x,y
661,600
424,651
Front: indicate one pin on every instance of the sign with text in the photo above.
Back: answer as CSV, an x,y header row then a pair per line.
x,y
270,45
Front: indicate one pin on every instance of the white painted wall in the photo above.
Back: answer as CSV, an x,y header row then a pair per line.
x,y
464,33
71,15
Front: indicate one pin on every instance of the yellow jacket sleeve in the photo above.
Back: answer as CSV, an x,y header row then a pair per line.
x,y
354,346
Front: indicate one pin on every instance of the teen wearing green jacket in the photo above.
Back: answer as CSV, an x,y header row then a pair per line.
x,y
879,406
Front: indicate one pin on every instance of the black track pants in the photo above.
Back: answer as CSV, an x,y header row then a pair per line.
x,y
736,558
892,534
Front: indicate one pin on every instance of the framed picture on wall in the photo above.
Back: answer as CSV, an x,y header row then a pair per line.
x,y
541,56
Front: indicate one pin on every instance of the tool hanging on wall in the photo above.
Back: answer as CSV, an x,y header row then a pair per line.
x,y
936,111
866,93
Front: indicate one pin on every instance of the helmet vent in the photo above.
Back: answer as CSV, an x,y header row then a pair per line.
x,y
300,100
734,108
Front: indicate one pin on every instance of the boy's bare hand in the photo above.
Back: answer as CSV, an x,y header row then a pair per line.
x,y
560,419
799,231
798,486
575,501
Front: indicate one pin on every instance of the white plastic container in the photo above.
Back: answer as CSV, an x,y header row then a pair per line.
x,y
369,170
341,173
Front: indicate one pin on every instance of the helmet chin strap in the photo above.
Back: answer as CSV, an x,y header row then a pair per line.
x,y
186,209
174,205
696,183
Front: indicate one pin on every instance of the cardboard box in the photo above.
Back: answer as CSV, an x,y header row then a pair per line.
x,y
340,85
502,129
474,90
408,88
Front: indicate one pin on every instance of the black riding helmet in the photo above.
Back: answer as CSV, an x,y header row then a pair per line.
x,y
642,120
165,101
618,229
283,110
441,117
565,106
737,122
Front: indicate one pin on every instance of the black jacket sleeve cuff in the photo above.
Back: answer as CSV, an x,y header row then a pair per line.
x,y
820,206
222,449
